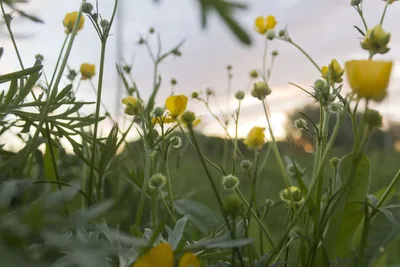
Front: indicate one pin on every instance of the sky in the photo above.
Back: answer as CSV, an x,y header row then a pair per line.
x,y
324,28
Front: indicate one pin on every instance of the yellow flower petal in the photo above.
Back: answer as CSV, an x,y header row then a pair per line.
x,y
163,119
189,260
133,105
255,138
87,71
260,25
159,256
368,78
69,21
176,105
271,22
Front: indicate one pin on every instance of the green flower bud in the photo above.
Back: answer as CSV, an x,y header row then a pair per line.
x,y
173,81
39,57
269,202
72,75
159,111
104,24
157,180
195,95
107,114
188,117
209,92
95,16
176,52
335,107
151,30
246,165
230,182
373,119
254,74
291,193
229,67
334,162
275,53
260,90
127,68
271,34
233,205
239,95
320,84
355,2
300,123
282,33
87,8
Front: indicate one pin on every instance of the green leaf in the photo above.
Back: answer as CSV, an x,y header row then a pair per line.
x,y
19,74
380,261
349,209
11,92
233,243
175,237
63,93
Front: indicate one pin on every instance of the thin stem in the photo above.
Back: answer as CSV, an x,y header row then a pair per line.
x,y
142,199
11,35
96,125
213,185
305,53
364,238
264,63
235,145
265,231
384,12
166,206
169,183
233,237
58,60
386,193
360,12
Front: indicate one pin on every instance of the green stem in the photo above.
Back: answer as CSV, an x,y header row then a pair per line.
x,y
169,182
306,54
265,231
213,185
384,12
386,193
154,208
264,63
11,35
58,60
233,237
142,199
363,244
96,125
360,12
235,145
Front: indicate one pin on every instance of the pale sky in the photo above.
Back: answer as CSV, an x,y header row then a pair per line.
x,y
322,27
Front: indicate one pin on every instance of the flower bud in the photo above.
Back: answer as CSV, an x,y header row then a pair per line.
x,y
39,57
188,117
209,91
291,193
275,53
230,182
72,75
271,34
246,165
127,68
260,90
87,8
151,30
239,95
254,74
195,95
335,107
282,33
269,202
373,119
355,2
300,123
104,24
233,205
334,162
320,84
95,16
158,111
173,81
376,41
8,17
157,180
229,67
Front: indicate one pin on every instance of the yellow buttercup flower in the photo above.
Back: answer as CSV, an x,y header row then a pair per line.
x,y
162,119
176,105
87,71
369,78
69,22
132,104
255,138
162,256
263,24
335,72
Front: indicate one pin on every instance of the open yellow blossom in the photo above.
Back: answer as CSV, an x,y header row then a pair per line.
x,y
162,119
255,138
162,256
132,104
368,78
335,72
87,71
69,22
176,105
263,24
